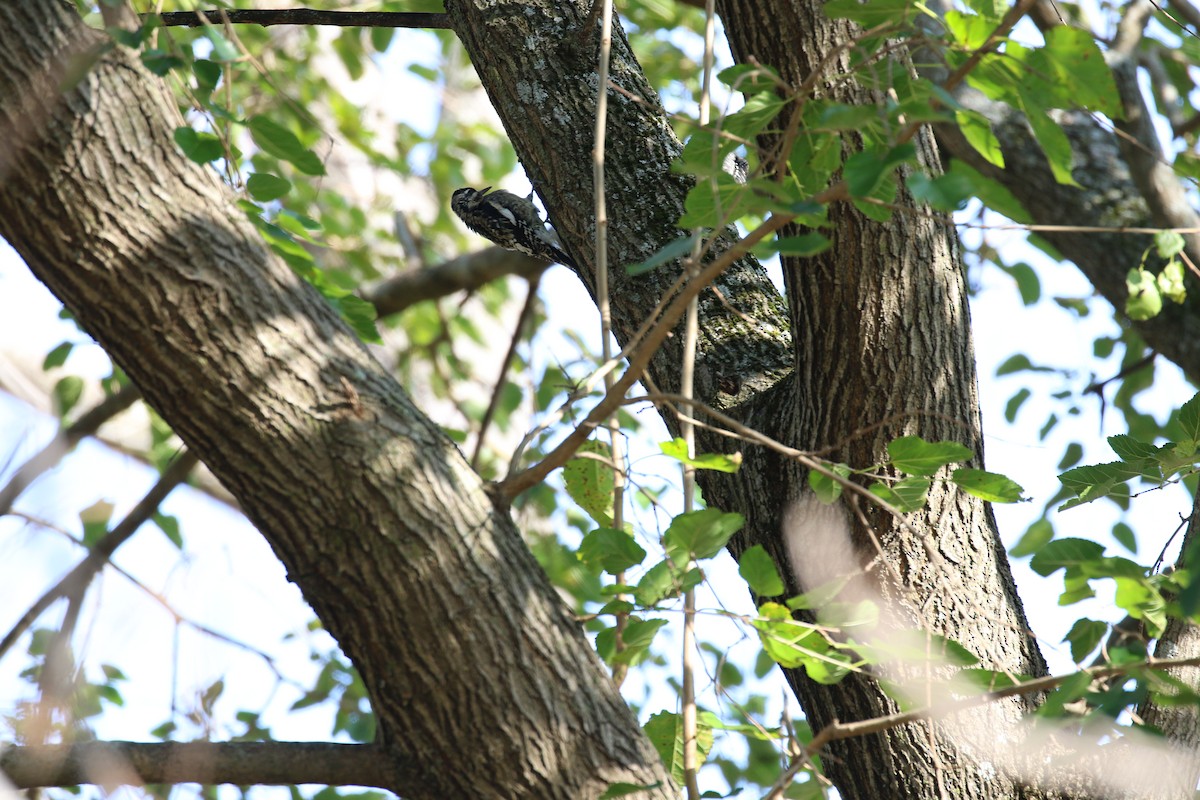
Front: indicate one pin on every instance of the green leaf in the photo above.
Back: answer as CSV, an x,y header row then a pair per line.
x,y
991,9
160,62
947,192
1036,536
589,481
969,30
1071,689
1095,481
987,485
1170,282
199,147
803,245
67,392
865,171
1065,554
902,502
1071,456
265,187
610,550
1027,282
359,315
223,49
664,255
1085,636
1019,363
170,527
660,582
825,487
1125,536
1071,72
700,534
208,73
914,455
1142,601
637,637
1137,453
58,356
1054,142
792,644
277,140
715,201
665,731
720,462
95,521
1145,300
1189,418
1168,244
750,78
842,117
977,130
1015,402
870,14
758,569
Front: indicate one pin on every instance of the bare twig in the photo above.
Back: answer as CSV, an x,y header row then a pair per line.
x,y
306,16
687,380
83,573
505,365
64,441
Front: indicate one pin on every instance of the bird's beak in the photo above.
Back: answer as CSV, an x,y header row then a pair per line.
x,y
485,190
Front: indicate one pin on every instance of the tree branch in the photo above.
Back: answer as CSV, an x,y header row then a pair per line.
x,y
242,763
303,16
64,442
79,577
465,273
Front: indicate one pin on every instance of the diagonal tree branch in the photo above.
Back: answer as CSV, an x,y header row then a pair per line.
x,y
77,579
64,442
463,274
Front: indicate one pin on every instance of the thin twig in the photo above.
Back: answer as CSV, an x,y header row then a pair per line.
x,y
83,573
305,16
505,365
602,289
64,441
687,380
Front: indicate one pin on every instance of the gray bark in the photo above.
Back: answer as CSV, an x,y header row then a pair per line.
x,y
886,309
482,683
1107,196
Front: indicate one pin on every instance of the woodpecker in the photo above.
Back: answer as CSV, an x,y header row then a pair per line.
x,y
509,221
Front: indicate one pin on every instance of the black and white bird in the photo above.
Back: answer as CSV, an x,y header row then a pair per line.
x,y
510,221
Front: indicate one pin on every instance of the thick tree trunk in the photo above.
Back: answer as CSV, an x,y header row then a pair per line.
x,y
483,685
886,309
883,349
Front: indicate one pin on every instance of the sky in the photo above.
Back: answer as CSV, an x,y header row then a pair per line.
x,y
167,664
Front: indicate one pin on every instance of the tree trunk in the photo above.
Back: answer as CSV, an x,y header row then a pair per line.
x,y
482,683
886,308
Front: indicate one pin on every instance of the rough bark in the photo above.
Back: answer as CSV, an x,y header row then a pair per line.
x,y
882,335
1107,197
1180,724
889,309
482,683
1123,182
542,82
